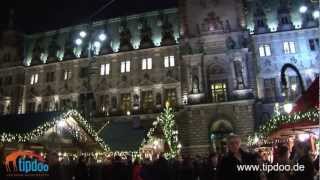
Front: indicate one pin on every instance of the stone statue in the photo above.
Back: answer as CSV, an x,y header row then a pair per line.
x,y
53,48
36,52
238,68
114,102
167,33
69,47
230,43
195,85
135,100
145,35
125,37
158,99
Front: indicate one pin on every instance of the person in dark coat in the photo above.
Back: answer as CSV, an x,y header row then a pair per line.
x,y
228,167
304,158
281,159
81,169
187,169
161,169
146,171
118,169
211,167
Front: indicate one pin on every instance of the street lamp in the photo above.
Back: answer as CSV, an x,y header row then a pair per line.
x,y
288,106
303,9
94,44
316,14
92,69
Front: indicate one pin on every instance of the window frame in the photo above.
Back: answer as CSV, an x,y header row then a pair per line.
x,y
289,47
125,66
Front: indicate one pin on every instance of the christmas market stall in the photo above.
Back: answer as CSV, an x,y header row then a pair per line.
x,y
301,124
59,132
147,139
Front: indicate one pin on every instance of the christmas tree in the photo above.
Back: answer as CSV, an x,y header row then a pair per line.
x,y
167,122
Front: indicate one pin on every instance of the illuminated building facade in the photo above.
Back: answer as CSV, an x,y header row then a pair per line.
x,y
217,62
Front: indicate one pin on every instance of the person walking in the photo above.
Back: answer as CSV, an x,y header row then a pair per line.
x,y
136,170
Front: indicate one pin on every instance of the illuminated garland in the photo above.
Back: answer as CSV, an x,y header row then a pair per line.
x,y
167,123
42,129
274,123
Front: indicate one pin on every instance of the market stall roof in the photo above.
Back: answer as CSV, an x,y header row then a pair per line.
x,y
123,136
26,127
308,100
24,123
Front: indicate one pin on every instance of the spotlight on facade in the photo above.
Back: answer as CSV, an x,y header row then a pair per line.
x,y
128,113
78,42
97,44
303,9
83,34
288,107
102,37
316,14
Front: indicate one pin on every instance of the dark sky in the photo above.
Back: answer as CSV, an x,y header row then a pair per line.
x,y
42,15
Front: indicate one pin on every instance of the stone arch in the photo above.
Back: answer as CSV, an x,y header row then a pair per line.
x,y
216,69
221,125
219,129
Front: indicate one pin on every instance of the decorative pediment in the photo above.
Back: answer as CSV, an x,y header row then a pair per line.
x,y
212,23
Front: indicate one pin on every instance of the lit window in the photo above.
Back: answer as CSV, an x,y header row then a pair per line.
x,y
169,61
105,69
264,50
219,91
289,47
125,66
34,79
67,75
146,64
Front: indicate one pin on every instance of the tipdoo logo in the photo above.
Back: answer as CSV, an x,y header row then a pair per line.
x,y
25,163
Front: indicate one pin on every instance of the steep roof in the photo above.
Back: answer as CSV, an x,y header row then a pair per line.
x,y
123,136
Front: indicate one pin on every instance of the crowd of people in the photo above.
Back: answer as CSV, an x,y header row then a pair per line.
x,y
214,167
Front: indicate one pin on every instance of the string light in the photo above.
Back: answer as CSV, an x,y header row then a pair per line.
x,y
273,124
167,123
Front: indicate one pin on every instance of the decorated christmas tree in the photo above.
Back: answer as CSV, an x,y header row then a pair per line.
x,y
165,121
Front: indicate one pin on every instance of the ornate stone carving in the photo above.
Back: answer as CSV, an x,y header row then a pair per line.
x,y
145,35
260,20
238,69
125,37
69,47
284,17
53,47
212,23
36,52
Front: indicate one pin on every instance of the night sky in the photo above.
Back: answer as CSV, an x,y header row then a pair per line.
x,y
43,15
